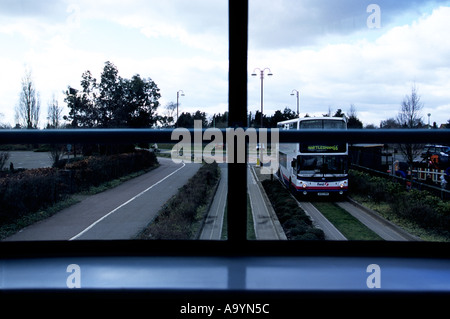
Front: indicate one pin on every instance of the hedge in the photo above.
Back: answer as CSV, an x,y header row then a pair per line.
x,y
296,224
95,170
28,191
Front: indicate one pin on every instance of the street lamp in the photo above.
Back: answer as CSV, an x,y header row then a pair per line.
x,y
262,86
429,126
180,92
296,93
261,71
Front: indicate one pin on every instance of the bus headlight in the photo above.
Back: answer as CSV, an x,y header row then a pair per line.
x,y
342,185
304,185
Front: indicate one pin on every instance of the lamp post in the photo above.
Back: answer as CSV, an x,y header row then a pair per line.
x,y
298,106
429,126
180,92
262,87
261,71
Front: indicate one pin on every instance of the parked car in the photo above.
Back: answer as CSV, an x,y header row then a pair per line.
x,y
439,154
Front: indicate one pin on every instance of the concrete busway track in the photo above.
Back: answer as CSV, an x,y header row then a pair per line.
x,y
320,221
379,225
382,227
266,224
212,227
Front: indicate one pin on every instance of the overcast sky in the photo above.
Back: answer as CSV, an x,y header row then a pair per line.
x,y
327,50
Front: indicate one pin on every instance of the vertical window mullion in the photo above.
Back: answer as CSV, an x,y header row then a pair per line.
x,y
237,103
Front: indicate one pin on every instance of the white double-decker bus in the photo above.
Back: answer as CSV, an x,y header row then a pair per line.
x,y
319,169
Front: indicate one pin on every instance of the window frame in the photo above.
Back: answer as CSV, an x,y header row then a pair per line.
x,y
237,243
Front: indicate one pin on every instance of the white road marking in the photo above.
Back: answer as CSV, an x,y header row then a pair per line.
x,y
127,202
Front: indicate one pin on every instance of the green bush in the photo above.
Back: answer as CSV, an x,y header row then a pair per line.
x,y
428,211
95,170
28,191
181,212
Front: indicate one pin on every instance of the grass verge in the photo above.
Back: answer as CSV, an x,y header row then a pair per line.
x,y
250,223
348,225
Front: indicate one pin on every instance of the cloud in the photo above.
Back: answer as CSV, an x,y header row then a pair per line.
x,y
292,23
321,48
179,44
197,23
374,75
30,8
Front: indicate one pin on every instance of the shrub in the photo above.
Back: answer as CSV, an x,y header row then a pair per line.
x,y
176,218
428,211
28,191
95,170
296,224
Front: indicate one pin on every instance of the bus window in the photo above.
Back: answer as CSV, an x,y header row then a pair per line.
x,y
322,164
311,124
334,125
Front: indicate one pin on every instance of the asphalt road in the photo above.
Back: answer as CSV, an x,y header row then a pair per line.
x,y
118,213
28,159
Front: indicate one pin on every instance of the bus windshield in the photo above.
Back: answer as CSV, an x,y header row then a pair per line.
x,y
322,164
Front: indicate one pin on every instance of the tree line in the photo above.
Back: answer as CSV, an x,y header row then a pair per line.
x,y
117,102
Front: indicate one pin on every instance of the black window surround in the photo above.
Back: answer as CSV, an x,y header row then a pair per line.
x,y
237,245
237,177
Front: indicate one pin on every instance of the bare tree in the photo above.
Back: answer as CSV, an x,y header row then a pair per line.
x,y
3,125
54,114
410,117
170,109
28,109
167,120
